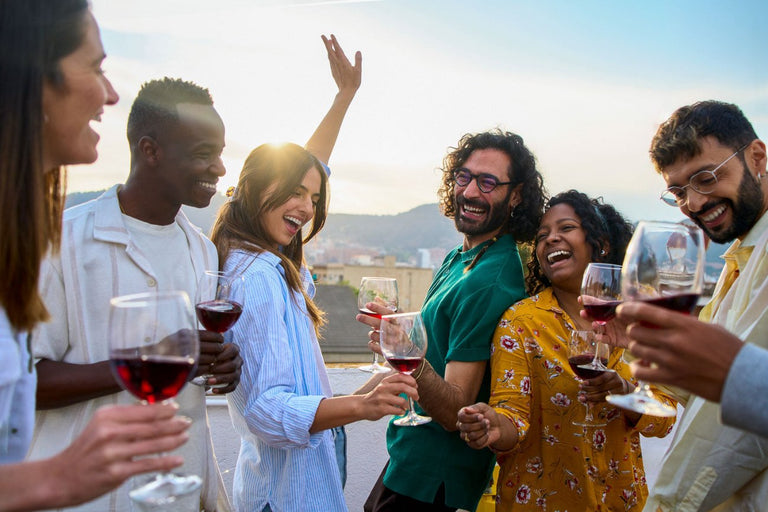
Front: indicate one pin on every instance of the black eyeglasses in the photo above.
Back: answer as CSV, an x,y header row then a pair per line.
x,y
485,182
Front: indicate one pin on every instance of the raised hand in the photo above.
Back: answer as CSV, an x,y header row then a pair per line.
x,y
346,76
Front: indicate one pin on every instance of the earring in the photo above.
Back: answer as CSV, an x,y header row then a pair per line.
x,y
45,118
602,252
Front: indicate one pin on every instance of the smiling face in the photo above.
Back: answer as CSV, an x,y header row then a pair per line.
x,y
737,201
189,156
481,215
284,222
70,108
562,248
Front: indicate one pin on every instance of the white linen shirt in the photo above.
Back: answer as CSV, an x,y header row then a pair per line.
x,y
97,261
710,466
18,383
282,383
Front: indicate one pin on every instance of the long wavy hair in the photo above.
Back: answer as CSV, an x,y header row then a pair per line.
x,y
240,221
601,223
34,36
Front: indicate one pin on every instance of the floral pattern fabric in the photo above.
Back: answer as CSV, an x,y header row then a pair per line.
x,y
556,465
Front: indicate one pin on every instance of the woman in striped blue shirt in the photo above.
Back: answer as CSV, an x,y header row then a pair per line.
x,y
284,408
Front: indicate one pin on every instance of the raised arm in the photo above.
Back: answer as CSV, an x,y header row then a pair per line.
x,y
347,78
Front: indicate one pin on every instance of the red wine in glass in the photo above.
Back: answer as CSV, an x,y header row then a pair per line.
x,y
682,303
602,312
580,365
218,315
152,378
405,365
366,311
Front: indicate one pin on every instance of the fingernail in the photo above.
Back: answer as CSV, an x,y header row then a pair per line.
x,y
185,419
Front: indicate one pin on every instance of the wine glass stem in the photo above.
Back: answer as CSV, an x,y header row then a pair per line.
x,y
411,411
588,417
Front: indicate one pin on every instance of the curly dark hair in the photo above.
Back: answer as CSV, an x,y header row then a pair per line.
x,y
601,223
527,214
679,137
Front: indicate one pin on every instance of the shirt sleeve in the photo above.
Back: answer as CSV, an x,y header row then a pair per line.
x,y
511,376
273,408
744,403
10,370
50,340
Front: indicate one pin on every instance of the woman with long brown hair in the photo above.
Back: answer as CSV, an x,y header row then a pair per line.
x,y
52,88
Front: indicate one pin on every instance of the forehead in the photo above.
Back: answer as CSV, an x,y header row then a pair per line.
x,y
489,161
312,180
711,155
559,213
198,124
90,50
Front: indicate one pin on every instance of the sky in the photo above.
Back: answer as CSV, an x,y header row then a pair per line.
x,y
585,83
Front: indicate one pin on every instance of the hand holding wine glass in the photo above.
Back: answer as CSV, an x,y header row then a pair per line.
x,y
600,296
219,303
404,345
153,350
381,291
663,265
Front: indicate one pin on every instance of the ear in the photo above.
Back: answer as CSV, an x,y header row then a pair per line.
x,y
755,155
150,150
515,197
605,249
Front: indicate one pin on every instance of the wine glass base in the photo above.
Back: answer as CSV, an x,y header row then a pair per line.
x,y
373,368
166,488
411,420
642,403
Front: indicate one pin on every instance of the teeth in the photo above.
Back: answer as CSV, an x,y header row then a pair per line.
x,y
472,209
208,185
557,254
715,214
294,220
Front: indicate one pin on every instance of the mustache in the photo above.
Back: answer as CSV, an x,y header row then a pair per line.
x,y
705,208
462,201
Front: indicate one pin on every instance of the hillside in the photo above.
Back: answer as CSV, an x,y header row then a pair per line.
x,y
401,234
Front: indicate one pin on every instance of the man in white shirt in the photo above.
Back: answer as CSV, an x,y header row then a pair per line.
x,y
714,167
135,238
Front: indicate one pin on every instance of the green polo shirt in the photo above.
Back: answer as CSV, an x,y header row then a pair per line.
x,y
460,313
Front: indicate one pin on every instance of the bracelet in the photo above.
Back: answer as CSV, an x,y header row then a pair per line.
x,y
419,370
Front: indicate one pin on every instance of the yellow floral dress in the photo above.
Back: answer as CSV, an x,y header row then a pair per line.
x,y
558,466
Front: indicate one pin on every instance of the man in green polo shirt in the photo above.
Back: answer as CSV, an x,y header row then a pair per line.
x,y
495,195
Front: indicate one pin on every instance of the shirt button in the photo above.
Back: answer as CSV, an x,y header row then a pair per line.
x,y
151,282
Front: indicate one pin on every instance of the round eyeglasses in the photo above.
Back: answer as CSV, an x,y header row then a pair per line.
x,y
485,182
703,182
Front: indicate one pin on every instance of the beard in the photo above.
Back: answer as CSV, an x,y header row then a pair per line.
x,y
496,217
745,211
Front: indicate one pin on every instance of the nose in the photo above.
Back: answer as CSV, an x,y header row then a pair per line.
x,y
471,189
217,167
694,200
112,96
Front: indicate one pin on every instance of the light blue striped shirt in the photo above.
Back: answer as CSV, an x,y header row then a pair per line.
x,y
282,383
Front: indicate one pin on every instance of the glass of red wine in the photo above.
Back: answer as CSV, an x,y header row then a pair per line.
x,y
664,266
153,349
583,351
404,345
219,303
600,296
381,290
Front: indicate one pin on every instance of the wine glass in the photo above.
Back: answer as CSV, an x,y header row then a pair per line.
x,y
219,303
381,290
404,345
153,349
664,265
600,296
583,351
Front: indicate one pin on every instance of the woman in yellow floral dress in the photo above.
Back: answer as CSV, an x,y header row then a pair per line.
x,y
547,462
